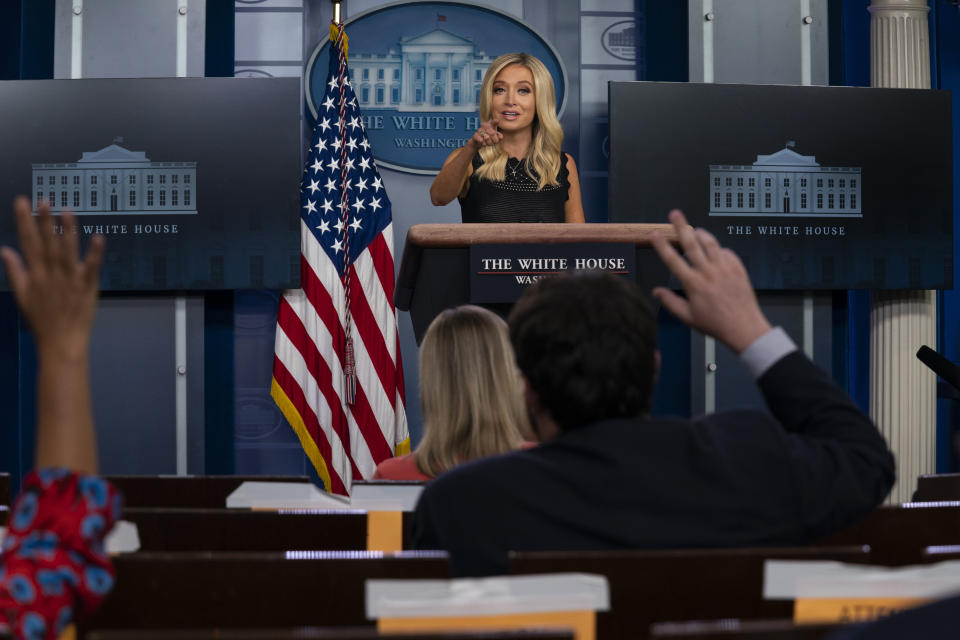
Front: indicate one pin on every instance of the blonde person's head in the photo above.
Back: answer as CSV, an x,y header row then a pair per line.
x,y
470,390
544,155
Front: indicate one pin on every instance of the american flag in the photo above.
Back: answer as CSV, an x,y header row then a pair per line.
x,y
337,374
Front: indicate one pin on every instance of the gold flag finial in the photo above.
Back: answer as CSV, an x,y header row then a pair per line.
x,y
336,28
336,12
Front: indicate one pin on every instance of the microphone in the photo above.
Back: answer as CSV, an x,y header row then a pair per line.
x,y
940,365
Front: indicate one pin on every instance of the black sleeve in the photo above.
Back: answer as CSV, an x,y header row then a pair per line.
x,y
449,517
841,464
425,535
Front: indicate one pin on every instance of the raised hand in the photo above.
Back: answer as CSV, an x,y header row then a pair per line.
x,y
720,300
55,289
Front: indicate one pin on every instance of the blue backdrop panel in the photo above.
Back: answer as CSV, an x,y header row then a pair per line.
x,y
850,66
27,33
945,74
185,199
793,179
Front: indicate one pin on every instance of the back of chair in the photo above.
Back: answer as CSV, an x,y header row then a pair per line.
x,y
937,488
898,535
187,530
741,630
5,496
687,584
197,492
251,590
325,633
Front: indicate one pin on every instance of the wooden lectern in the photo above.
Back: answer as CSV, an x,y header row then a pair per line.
x,y
435,268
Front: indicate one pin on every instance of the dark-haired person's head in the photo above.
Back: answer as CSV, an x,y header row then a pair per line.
x,y
586,344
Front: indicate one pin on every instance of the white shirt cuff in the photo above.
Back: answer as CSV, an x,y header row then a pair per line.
x,y
766,350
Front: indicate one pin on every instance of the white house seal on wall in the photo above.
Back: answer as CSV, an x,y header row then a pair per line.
x,y
620,40
417,67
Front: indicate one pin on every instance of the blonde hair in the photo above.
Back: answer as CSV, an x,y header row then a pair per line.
x,y
470,390
544,157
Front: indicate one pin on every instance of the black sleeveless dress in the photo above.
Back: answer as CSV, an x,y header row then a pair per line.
x,y
516,199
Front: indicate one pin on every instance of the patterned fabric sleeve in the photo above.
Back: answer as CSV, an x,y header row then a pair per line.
x,y
53,567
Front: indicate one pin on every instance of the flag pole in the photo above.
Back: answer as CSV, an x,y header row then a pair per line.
x,y
349,363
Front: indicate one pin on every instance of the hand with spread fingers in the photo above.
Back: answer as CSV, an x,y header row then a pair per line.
x,y
55,289
720,300
487,135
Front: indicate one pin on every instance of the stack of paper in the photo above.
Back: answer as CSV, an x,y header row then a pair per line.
x,y
301,495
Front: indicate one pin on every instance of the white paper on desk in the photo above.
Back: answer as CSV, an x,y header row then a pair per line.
x,y
284,495
792,579
123,538
486,596
303,495
385,496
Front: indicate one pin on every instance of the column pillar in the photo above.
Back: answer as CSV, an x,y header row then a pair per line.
x,y
902,391
448,89
407,80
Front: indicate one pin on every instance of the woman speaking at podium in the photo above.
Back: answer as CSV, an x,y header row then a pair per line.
x,y
513,169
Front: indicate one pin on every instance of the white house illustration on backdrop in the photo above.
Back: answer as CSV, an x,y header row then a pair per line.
x,y
115,180
785,183
435,71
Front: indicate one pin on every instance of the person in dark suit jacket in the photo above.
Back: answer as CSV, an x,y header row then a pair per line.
x,y
608,476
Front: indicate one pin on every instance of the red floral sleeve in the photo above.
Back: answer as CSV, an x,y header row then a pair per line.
x,y
53,567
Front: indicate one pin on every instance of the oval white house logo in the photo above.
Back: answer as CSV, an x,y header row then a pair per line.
x,y
619,40
416,69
